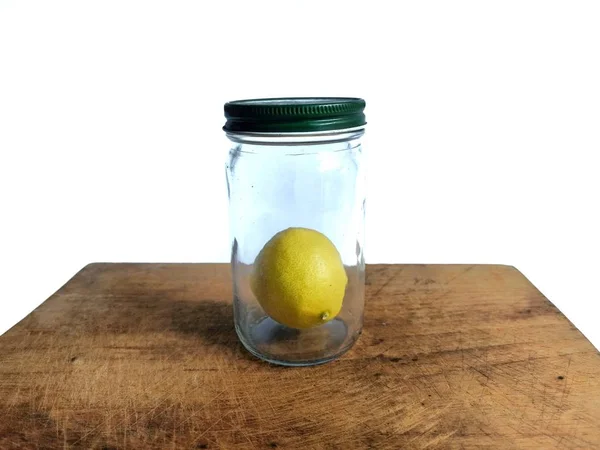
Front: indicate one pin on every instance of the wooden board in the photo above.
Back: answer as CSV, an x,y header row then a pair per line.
x,y
145,356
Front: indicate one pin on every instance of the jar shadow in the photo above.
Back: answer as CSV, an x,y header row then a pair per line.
x,y
211,321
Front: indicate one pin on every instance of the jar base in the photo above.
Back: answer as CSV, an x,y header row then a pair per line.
x,y
284,346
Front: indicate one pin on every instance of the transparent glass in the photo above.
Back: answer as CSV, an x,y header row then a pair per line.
x,y
280,181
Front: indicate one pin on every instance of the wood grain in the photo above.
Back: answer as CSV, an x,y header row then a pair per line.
x,y
145,356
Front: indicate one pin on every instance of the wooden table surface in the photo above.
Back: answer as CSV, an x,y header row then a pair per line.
x,y
145,356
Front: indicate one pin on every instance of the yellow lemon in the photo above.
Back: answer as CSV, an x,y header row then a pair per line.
x,y
299,278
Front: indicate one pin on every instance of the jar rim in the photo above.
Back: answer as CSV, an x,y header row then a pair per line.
x,y
295,138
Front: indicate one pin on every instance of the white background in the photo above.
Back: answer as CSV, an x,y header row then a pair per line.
x,y
483,136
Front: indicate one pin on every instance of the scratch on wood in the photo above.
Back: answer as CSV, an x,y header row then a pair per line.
x,y
464,272
384,285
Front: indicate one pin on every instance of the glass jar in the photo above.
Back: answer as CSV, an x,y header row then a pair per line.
x,y
295,182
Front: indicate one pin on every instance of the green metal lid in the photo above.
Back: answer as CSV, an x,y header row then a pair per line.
x,y
294,114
